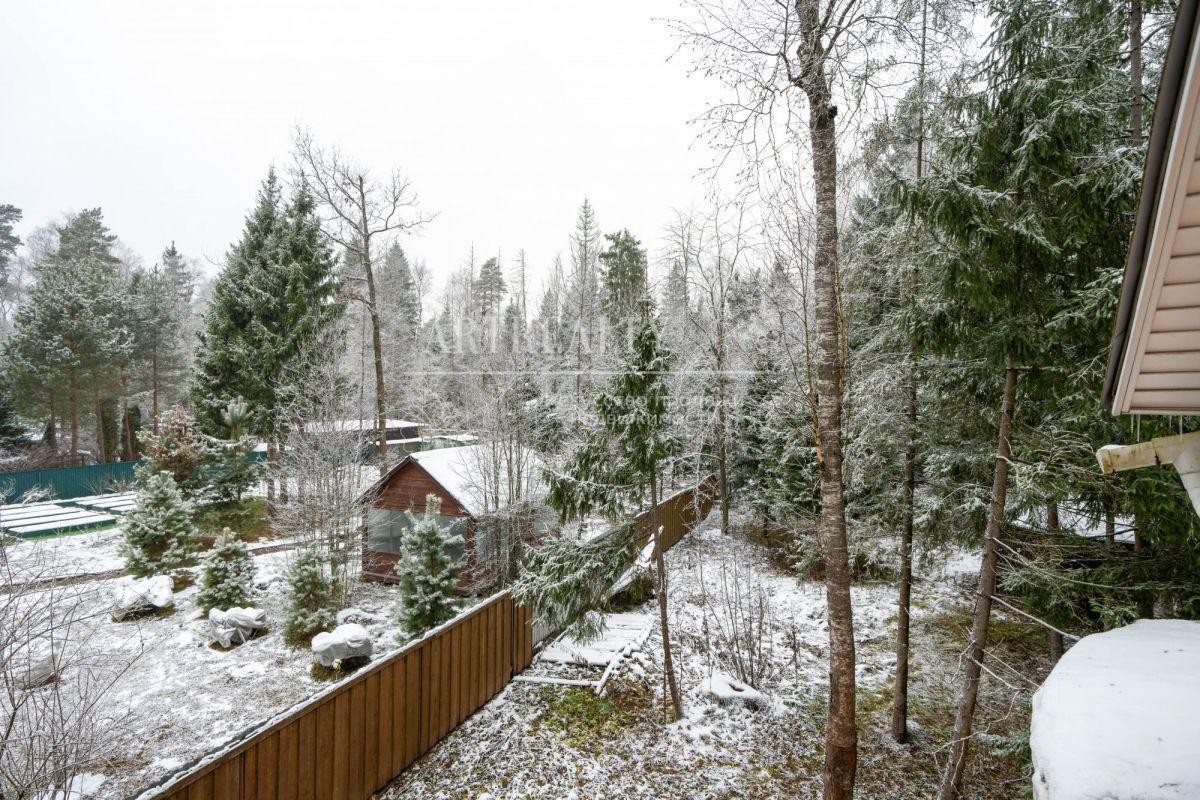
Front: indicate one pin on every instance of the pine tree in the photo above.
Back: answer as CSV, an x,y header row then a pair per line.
x,y
489,288
428,570
159,533
9,241
72,341
227,574
312,598
12,435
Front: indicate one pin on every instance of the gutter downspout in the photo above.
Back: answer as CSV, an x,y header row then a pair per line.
x,y
1182,452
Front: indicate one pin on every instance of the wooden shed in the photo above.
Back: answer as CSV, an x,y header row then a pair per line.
x,y
474,484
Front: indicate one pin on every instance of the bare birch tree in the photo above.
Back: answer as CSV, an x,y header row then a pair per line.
x,y
363,214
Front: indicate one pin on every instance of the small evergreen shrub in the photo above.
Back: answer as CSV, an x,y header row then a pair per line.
x,y
159,532
227,574
428,571
312,599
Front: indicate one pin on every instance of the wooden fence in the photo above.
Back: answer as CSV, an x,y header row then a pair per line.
x,y
349,741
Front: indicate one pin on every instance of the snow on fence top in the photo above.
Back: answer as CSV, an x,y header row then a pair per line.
x,y
1119,716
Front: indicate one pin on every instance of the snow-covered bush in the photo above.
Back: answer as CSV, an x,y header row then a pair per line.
x,y
312,598
159,532
739,635
227,574
428,571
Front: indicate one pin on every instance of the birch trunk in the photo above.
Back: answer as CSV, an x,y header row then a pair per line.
x,y
841,733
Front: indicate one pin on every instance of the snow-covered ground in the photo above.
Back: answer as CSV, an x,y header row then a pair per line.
x,y
555,741
177,697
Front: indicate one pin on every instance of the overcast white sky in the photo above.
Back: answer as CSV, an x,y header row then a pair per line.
x,y
504,115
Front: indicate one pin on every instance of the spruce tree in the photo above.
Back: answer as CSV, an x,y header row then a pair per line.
x,y
429,570
619,463
1023,205
159,532
623,277
9,241
311,598
228,363
227,572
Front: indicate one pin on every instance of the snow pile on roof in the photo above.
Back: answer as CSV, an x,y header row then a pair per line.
x,y
1119,716
481,477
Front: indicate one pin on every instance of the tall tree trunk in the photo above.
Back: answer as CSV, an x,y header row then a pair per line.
x,y
154,392
903,618
376,337
73,410
841,733
972,661
1110,526
281,453
904,604
1135,72
101,444
51,437
722,441
660,566
271,477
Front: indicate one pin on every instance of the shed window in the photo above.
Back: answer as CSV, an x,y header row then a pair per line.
x,y
385,529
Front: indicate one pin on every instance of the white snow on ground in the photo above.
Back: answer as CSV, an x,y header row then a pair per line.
x,y
90,553
1119,716
180,697
518,746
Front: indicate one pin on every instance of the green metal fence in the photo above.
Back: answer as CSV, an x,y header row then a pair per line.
x,y
67,482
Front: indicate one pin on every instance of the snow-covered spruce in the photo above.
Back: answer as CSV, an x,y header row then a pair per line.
x,y
159,532
428,571
312,597
227,574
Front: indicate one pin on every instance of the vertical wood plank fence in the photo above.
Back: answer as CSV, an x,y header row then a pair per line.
x,y
349,741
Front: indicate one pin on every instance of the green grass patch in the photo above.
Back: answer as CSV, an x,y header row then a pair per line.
x,y
584,717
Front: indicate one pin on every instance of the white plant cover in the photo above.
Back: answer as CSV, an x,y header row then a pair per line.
x,y
236,625
35,665
144,595
345,641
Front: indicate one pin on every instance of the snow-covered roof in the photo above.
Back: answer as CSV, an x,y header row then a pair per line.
x,y
478,476
1076,521
1119,716
340,425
